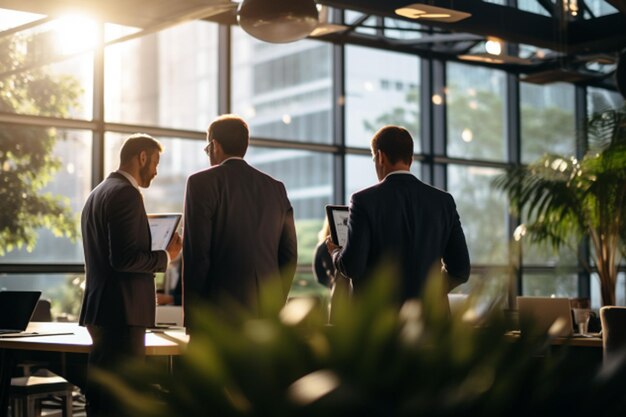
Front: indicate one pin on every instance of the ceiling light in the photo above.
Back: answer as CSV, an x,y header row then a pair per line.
x,y
496,59
423,11
493,47
278,21
488,58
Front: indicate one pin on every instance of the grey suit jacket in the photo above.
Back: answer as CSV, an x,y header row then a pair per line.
x,y
239,233
119,263
404,221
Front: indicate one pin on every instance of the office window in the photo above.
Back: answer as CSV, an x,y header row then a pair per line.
x,y
166,79
361,173
283,91
533,6
620,290
308,177
61,161
65,291
366,24
550,284
483,212
14,18
180,158
475,99
544,254
382,87
548,122
43,72
401,29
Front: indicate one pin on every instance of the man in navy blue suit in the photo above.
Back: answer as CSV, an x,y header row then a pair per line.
x,y
401,221
119,300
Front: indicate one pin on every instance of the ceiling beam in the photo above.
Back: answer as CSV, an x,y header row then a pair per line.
x,y
605,33
487,19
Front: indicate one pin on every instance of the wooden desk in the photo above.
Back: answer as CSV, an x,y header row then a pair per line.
x,y
162,343
578,341
75,340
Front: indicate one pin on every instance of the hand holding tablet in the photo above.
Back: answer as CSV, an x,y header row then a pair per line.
x,y
162,228
338,221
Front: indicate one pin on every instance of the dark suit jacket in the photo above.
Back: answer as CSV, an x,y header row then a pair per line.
x,y
405,221
119,263
239,233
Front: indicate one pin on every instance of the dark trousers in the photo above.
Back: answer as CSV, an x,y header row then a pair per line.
x,y
112,346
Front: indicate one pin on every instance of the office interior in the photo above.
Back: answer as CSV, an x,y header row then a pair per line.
x,y
168,69
507,82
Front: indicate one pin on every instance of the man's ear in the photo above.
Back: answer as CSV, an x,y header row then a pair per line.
x,y
143,158
382,158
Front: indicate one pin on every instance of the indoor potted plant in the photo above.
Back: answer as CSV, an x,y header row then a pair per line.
x,y
566,199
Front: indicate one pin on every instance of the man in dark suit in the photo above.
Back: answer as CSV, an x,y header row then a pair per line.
x,y
119,300
403,221
239,233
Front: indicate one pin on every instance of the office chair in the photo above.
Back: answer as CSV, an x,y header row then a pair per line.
x,y
613,320
43,311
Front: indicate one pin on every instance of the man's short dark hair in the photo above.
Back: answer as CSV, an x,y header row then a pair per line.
x,y
136,143
231,132
395,142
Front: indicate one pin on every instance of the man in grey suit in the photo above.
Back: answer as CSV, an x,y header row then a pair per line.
x,y
239,231
119,300
403,221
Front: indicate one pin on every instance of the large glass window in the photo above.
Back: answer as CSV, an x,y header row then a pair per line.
x,y
548,122
550,284
483,212
475,98
283,91
361,173
50,171
620,290
64,291
180,158
382,88
43,72
166,79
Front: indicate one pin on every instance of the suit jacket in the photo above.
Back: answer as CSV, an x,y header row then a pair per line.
x,y
239,233
404,221
119,263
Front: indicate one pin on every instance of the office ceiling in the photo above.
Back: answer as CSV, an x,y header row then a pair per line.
x,y
544,46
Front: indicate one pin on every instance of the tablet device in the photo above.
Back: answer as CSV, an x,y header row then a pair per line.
x,y
162,228
338,221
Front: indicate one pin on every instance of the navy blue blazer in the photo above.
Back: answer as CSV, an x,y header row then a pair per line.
x,y
239,233
119,262
404,221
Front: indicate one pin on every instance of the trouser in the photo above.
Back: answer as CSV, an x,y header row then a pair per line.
x,y
111,347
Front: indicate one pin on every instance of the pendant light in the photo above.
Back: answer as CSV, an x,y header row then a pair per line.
x,y
278,21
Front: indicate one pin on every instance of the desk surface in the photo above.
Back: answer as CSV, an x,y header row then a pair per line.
x,y
162,343
580,341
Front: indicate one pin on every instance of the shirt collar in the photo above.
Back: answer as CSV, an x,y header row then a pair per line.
x,y
129,177
232,157
397,172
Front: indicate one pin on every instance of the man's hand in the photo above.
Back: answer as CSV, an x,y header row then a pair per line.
x,y
175,246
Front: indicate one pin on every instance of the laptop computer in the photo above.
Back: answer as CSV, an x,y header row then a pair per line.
x,y
546,314
16,309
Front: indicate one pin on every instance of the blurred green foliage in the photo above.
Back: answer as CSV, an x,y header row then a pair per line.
x,y
27,162
566,199
377,359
